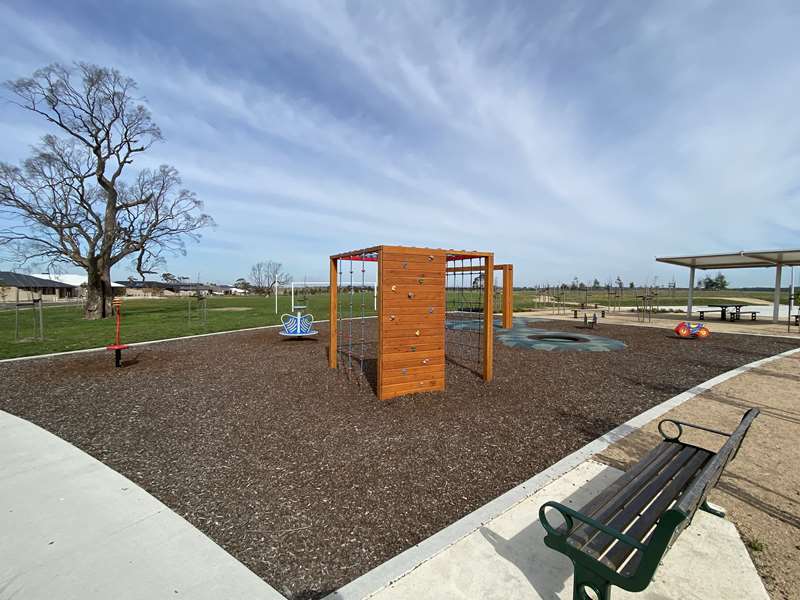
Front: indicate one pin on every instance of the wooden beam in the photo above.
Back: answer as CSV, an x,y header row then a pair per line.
x,y
334,304
381,318
356,252
508,296
488,319
476,269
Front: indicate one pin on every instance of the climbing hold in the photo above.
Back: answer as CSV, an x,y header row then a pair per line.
x,y
411,295
425,361
394,288
421,280
416,333
413,348
430,310
392,317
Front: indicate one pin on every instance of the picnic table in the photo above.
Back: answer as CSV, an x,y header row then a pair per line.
x,y
737,308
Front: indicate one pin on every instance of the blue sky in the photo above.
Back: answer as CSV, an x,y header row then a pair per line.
x,y
570,138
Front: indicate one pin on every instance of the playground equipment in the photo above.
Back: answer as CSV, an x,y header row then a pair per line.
x,y
430,302
35,304
685,329
200,311
298,325
117,346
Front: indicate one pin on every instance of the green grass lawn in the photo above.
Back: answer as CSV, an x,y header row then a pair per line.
x,y
154,319
143,320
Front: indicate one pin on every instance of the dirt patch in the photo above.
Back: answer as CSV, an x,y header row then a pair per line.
x,y
746,300
304,475
761,488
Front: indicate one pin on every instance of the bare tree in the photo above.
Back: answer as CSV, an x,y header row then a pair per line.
x,y
69,203
265,274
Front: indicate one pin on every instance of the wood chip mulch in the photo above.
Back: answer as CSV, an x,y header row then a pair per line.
x,y
311,481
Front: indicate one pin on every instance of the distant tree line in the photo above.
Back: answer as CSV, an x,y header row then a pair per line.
x,y
264,275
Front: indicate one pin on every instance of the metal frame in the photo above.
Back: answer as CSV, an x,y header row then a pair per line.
x,y
755,259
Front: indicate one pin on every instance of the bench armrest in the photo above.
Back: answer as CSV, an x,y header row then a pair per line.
x,y
680,425
569,515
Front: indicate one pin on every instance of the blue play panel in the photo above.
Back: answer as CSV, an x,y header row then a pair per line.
x,y
524,336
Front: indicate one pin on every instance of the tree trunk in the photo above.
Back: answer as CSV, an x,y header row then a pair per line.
x,y
99,293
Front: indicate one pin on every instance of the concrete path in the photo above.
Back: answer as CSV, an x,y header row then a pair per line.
x,y
71,528
506,559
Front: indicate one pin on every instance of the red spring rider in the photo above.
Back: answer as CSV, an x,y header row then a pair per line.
x,y
117,346
691,330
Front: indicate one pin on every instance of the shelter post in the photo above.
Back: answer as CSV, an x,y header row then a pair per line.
x,y
690,300
777,297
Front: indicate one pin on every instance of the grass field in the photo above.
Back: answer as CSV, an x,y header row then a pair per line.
x,y
526,299
153,319
144,320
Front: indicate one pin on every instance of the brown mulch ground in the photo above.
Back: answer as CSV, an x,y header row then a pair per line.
x,y
307,478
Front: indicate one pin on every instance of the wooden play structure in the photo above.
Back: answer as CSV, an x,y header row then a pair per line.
x,y
431,303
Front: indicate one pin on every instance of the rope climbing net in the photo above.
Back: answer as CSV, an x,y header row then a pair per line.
x,y
465,306
356,331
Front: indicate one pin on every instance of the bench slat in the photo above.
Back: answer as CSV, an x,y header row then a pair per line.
x,y
642,526
631,509
618,493
712,472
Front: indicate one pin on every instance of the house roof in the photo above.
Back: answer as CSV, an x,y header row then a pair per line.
x,y
72,279
137,284
736,260
20,280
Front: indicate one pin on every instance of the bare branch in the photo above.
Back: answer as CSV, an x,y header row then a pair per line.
x,y
73,199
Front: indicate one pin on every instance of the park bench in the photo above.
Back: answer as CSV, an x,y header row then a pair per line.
x,y
652,503
708,310
736,316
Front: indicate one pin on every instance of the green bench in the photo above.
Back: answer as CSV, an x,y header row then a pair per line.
x,y
621,535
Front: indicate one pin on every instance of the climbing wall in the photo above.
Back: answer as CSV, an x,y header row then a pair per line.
x,y
411,297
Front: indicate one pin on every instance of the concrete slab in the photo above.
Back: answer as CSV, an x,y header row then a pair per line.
x,y
507,559
72,528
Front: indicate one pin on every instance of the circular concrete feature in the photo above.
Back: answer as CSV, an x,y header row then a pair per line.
x,y
558,338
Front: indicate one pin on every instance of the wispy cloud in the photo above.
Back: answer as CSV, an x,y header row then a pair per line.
x,y
572,140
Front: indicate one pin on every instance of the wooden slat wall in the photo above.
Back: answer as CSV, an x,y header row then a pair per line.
x,y
411,309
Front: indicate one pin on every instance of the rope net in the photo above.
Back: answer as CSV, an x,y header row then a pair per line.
x,y
357,330
465,297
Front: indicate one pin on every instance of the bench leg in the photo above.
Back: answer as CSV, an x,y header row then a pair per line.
x,y
586,578
713,509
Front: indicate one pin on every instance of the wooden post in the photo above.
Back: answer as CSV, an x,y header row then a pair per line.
x,y
488,318
508,296
381,325
334,304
